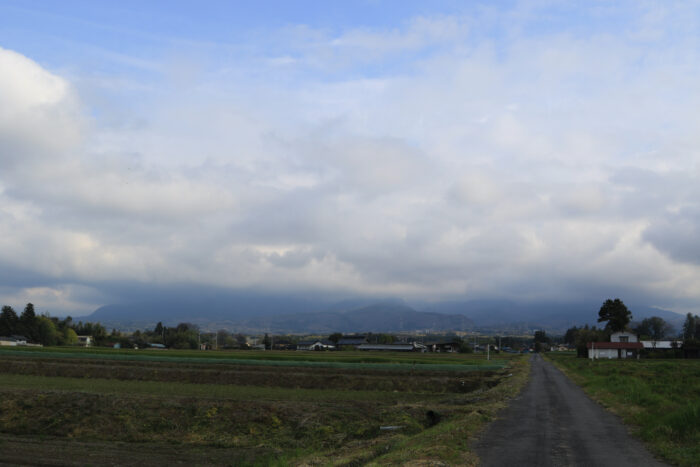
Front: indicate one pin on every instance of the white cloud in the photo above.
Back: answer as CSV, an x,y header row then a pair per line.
x,y
546,165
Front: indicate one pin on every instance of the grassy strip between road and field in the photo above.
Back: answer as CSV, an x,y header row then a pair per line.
x,y
450,443
282,359
660,399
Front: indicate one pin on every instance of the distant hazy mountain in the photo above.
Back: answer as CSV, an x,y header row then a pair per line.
x,y
259,312
552,317
380,317
200,308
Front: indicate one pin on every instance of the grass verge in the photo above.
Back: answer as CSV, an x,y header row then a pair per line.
x,y
445,443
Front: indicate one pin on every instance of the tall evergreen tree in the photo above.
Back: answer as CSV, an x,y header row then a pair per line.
x,y
28,323
8,321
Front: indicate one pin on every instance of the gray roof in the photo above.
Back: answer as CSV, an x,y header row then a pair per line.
x,y
401,347
352,341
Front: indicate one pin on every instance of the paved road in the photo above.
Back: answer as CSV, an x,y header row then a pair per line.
x,y
554,423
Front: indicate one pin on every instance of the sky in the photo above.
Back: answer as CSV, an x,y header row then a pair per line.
x,y
520,150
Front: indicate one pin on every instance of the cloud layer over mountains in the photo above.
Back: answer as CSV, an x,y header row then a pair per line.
x,y
446,156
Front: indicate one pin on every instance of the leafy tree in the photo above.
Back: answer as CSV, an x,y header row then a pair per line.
x,y
241,340
616,314
335,337
464,346
384,338
69,336
585,335
96,330
570,336
654,328
541,336
46,332
691,327
183,336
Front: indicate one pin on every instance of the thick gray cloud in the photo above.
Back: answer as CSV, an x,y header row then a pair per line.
x,y
544,166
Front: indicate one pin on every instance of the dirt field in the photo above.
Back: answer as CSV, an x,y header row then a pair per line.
x,y
54,410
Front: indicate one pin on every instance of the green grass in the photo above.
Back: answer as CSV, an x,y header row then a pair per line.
x,y
660,399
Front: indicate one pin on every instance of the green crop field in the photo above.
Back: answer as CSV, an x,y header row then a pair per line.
x,y
660,399
72,406
397,361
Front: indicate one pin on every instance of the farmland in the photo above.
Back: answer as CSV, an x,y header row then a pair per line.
x,y
659,399
247,408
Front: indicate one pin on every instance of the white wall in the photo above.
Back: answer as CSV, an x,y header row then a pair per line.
x,y
615,337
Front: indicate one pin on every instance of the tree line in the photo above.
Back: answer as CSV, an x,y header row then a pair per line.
x,y
46,330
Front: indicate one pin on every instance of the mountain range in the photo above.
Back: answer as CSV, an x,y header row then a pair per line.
x,y
252,313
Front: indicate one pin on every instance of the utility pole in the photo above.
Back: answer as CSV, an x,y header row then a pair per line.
x,y
488,349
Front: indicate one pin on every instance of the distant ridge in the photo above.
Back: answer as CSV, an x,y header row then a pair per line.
x,y
256,312
380,317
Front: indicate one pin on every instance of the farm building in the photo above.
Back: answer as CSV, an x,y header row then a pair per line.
x,y
16,340
351,341
621,345
6,340
13,340
411,347
315,345
613,349
662,344
85,341
442,346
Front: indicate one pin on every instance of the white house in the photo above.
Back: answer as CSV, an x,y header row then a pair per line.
x,y
85,341
621,345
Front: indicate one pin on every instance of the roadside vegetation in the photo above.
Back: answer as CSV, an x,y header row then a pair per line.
x,y
659,399
382,409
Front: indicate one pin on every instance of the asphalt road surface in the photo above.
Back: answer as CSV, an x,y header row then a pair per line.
x,y
553,423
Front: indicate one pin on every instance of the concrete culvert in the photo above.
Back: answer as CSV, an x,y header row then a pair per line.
x,y
432,418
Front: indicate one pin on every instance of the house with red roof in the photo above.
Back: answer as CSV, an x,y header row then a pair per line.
x,y
621,345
